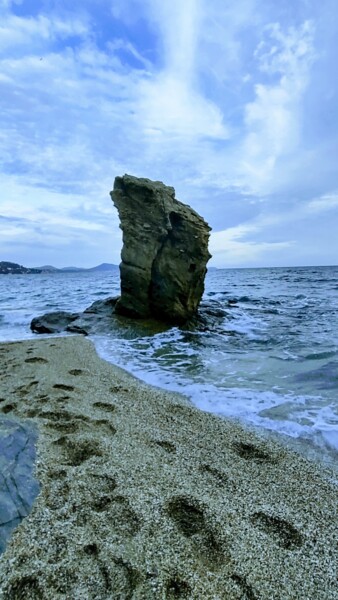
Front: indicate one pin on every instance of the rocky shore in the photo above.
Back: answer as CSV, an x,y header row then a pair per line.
x,y
143,496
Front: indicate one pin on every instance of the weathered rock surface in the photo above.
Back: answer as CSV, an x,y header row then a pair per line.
x,y
99,318
18,487
53,322
164,254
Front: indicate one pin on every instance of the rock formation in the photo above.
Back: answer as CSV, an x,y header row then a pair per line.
x,y
164,254
101,317
18,487
53,322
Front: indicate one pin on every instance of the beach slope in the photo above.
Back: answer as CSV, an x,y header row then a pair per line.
x,y
145,497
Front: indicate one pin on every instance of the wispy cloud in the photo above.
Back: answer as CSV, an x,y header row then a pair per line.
x,y
222,101
324,203
273,120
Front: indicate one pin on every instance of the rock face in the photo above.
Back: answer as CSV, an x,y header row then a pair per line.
x,y
101,317
164,254
18,487
53,322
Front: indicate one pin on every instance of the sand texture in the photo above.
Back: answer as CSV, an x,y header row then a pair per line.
x,y
144,497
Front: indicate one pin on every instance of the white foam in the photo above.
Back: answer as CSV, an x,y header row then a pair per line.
x,y
235,402
232,375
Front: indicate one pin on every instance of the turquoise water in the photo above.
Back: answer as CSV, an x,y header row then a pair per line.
x,y
271,362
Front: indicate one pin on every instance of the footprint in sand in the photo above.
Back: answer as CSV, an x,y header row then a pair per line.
x,y
102,482
192,522
132,575
36,359
24,587
78,451
177,588
105,425
118,388
63,426
122,519
105,406
246,589
283,532
24,390
77,372
8,408
252,452
165,445
98,566
57,494
64,387
218,477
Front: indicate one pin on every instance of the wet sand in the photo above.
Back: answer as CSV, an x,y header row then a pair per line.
x,y
145,497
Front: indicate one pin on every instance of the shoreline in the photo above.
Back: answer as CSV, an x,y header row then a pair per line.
x,y
144,496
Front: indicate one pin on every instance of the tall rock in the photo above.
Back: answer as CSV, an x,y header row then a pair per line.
x,y
164,254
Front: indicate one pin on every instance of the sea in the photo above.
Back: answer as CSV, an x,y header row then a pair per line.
x,y
271,363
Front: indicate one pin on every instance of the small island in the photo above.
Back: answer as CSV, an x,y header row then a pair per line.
x,y
9,268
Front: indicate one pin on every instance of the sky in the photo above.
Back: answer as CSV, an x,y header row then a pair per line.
x,y
234,104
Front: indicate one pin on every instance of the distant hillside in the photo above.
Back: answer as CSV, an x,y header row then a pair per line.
x,y
103,267
71,269
9,268
47,268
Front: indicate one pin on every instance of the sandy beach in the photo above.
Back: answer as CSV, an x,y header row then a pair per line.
x,y
145,497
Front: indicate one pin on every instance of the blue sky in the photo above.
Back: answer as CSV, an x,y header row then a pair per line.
x,y
232,103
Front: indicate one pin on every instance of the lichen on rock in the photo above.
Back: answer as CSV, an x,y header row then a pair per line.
x,y
164,254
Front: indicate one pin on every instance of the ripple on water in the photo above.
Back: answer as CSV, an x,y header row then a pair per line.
x,y
274,346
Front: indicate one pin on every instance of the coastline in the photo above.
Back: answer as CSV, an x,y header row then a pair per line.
x,y
144,496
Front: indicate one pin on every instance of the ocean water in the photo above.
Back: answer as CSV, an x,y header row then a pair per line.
x,y
272,362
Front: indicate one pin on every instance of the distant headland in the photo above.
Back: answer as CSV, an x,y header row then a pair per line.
x,y
10,268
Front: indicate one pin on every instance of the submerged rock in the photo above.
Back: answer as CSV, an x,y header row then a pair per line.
x,y
96,318
164,254
99,318
53,322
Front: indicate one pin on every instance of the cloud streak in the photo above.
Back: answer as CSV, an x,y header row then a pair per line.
x,y
220,101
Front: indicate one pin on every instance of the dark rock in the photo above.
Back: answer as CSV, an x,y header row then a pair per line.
x,y
53,322
164,254
102,318
99,318
106,306
76,329
18,487
211,317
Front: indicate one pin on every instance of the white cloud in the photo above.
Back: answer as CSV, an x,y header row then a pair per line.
x,y
18,31
194,105
323,203
229,249
222,53
273,119
41,223
170,103
168,106
179,23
